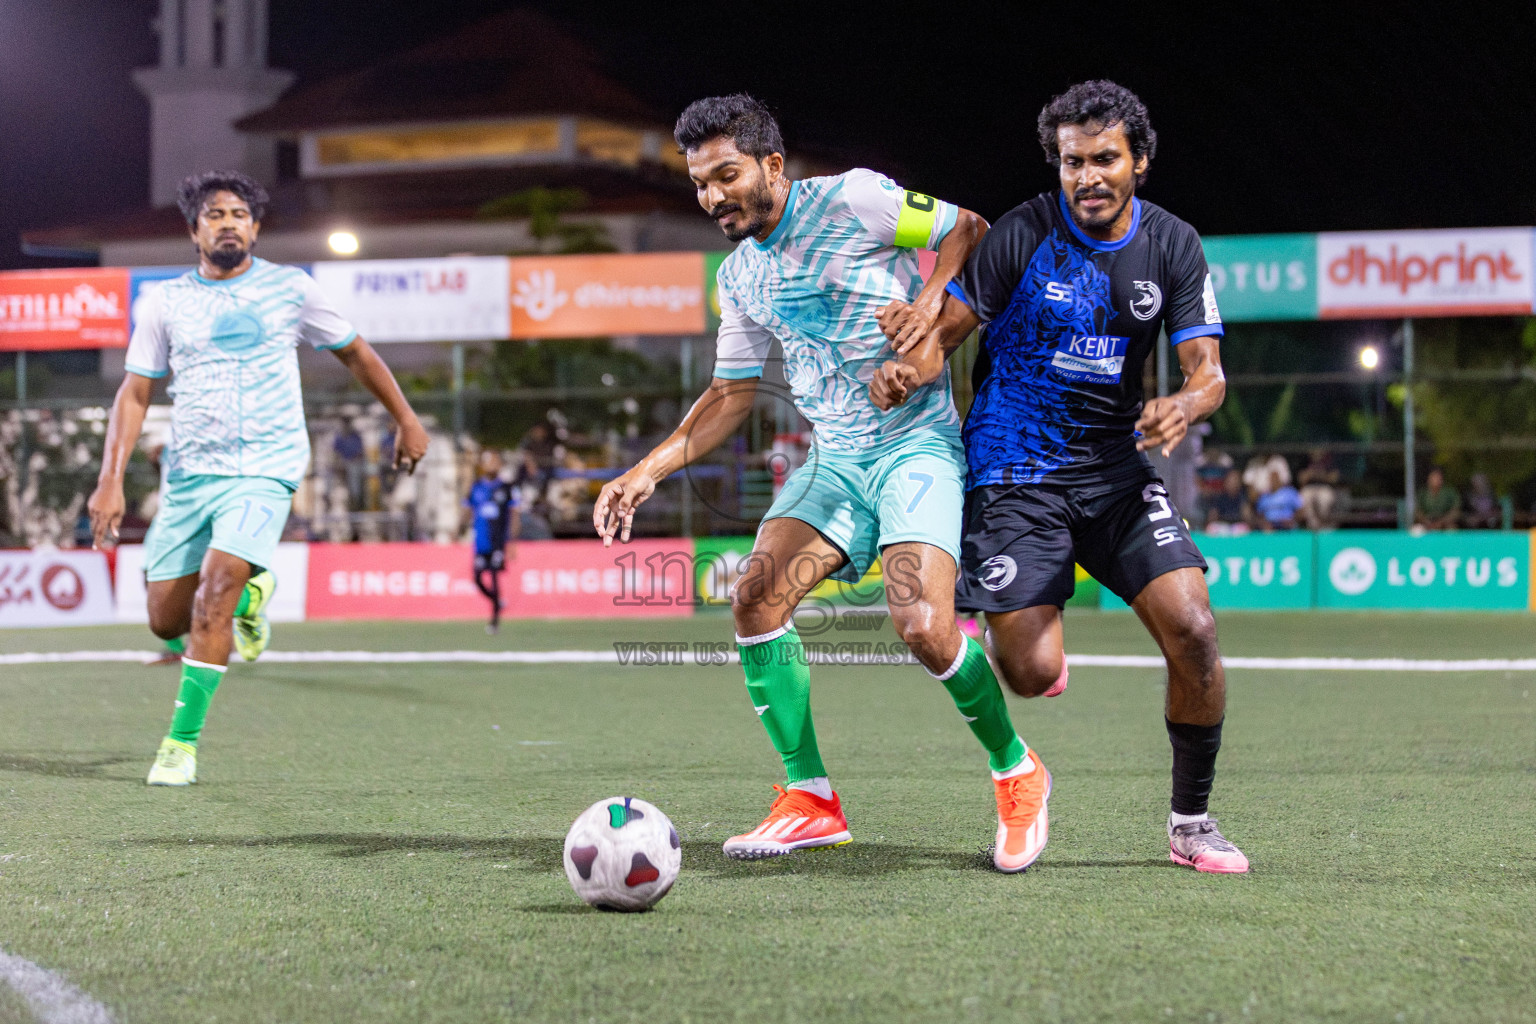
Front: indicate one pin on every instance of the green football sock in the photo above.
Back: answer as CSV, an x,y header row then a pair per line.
x,y
247,598
177,644
973,686
198,681
779,682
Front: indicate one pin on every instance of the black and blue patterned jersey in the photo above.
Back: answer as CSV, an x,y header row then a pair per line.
x,y
492,500
1068,323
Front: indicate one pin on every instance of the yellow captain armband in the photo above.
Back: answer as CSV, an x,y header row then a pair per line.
x,y
914,226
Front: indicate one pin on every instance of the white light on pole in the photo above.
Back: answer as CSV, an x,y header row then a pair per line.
x,y
1369,357
342,243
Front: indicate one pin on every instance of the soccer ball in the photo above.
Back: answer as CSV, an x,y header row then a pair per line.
x,y
622,854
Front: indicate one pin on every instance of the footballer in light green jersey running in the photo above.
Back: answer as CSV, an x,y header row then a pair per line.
x,y
227,335
817,261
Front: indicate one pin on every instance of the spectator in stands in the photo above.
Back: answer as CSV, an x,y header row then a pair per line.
x,y
1277,508
1227,510
1319,490
349,449
1264,473
1483,510
570,492
1439,505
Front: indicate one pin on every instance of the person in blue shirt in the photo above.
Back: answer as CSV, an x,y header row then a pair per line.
x,y
493,503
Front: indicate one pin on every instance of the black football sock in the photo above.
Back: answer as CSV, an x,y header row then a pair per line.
x,y
1194,764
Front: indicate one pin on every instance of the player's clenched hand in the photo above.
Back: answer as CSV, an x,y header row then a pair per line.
x,y
1163,422
410,445
892,383
106,506
892,317
919,320
616,504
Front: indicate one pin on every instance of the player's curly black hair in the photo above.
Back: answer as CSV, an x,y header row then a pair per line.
x,y
1103,103
738,117
195,190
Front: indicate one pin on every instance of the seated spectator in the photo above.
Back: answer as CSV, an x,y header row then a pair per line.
x,y
1276,509
1264,473
1227,510
1483,511
1319,490
1439,505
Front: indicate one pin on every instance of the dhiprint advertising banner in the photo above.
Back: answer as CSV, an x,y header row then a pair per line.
x,y
1456,272
451,299
63,309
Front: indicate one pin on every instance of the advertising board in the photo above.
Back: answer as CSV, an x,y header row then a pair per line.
x,y
457,298
1454,272
47,587
1443,571
589,296
63,309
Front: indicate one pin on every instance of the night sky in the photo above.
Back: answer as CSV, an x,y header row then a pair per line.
x,y
1278,120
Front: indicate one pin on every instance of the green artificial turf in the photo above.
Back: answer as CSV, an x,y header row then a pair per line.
x,y
382,842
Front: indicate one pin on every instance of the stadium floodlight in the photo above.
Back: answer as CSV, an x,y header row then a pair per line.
x,y
1370,358
343,243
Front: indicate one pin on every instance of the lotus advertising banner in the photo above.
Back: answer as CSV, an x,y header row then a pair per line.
x,y
1392,569
1271,571
1263,277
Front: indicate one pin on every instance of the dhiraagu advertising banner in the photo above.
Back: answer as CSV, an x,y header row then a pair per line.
x,y
1256,571
1393,569
1263,277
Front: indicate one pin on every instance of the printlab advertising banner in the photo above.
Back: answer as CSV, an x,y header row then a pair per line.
x,y
451,299
63,309
290,565
542,580
1456,272
54,588
1257,571
1393,569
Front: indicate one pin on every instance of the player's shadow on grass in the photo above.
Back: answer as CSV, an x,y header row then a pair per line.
x,y
388,691
64,767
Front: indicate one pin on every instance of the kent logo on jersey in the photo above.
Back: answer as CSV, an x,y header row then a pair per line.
x,y
1090,359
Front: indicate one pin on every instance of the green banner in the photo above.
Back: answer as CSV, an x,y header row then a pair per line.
x,y
1264,277
712,261
1255,571
1392,569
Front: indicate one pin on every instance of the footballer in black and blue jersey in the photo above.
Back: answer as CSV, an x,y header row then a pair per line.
x,y
1071,290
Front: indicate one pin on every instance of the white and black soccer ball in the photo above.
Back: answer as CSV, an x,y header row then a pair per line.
x,y
622,854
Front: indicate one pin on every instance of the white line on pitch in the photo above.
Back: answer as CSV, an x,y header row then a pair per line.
x,y
52,999
822,656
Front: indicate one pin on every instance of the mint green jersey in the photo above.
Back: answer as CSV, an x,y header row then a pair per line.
x,y
846,246
231,345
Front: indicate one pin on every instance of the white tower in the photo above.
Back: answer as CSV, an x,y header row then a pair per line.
x,y
213,71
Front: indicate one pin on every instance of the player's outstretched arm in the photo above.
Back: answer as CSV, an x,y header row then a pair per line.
x,y
410,436
953,251
106,503
723,407
923,361
1164,421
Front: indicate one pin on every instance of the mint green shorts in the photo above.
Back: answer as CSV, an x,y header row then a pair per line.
x,y
910,491
241,515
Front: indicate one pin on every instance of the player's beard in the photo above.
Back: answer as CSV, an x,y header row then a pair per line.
x,y
1103,219
227,257
757,207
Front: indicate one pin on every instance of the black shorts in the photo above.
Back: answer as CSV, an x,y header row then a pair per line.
x,y
1021,540
492,560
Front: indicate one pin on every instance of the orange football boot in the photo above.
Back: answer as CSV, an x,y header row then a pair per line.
x,y
798,820
1022,823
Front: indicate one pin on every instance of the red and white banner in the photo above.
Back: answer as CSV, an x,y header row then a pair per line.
x,y
290,564
459,298
54,588
1476,271
63,309
544,579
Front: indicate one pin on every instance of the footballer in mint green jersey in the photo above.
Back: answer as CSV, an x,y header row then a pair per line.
x,y
818,260
227,334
